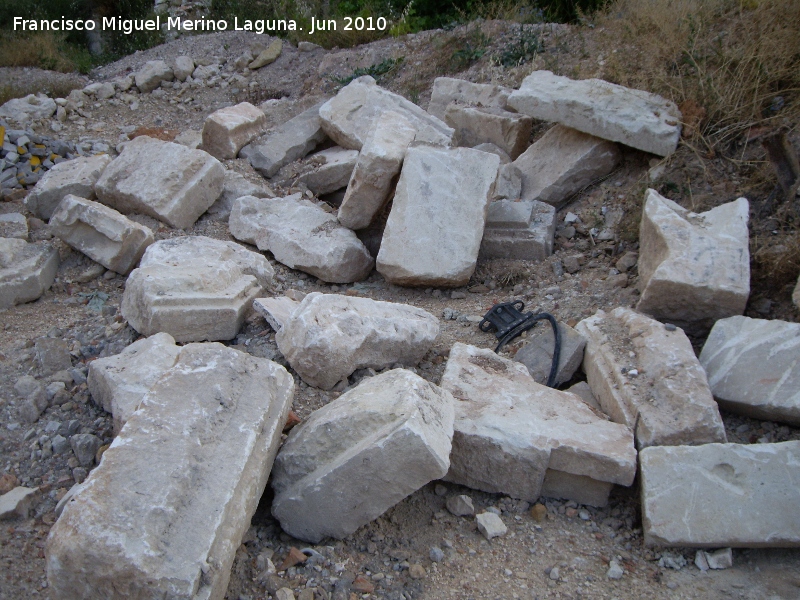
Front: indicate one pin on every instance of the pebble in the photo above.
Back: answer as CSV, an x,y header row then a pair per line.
x,y
436,554
615,571
416,571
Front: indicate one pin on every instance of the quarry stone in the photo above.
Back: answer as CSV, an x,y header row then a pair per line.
x,y
26,270
490,525
460,506
268,56
17,502
184,66
150,76
14,225
322,173
522,230
507,130
537,353
77,177
447,90
235,186
228,130
276,311
23,111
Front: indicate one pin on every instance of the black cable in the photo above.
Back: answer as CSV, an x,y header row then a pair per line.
x,y
528,323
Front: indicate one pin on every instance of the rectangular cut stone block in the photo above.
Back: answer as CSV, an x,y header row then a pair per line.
x,y
76,176
632,117
510,431
227,130
580,488
447,90
26,270
101,233
473,126
434,230
165,511
509,183
753,367
667,401
721,495
322,173
361,454
519,230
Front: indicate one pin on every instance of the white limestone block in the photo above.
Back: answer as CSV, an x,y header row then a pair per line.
x,y
26,270
229,129
447,90
522,230
76,177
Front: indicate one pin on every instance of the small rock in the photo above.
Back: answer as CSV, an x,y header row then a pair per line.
x,y
17,503
490,525
538,512
460,506
85,446
417,571
436,554
615,571
554,574
721,559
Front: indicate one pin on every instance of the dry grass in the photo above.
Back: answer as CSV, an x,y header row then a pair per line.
x,y
45,50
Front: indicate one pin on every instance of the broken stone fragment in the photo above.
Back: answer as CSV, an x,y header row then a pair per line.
x,y
509,183
519,230
229,129
275,310
322,173
361,454
184,66
268,56
77,176
490,525
14,225
460,506
537,353
649,378
447,90
693,268
150,76
329,336
235,186
507,130
140,532
17,502
26,270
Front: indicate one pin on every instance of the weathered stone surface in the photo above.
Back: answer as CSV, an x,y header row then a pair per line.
x,y
14,225
52,355
519,230
490,525
118,383
582,489
563,162
361,454
609,111
322,173
287,143
509,183
434,231
329,336
30,108
163,180
537,353
76,176
753,367
447,90
140,532
493,149
235,186
150,76
194,288
460,506
302,236
510,430
101,233
267,56
26,270
740,496
507,130
584,392
693,268
349,116
377,166
228,130
649,378
184,66
17,502
275,310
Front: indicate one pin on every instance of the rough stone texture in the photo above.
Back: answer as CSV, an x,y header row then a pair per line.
x,y
537,353
329,336
447,90
322,173
150,76
268,56
52,355
609,111
213,423
361,454
184,66
163,180
30,108
235,186
377,166
582,489
584,392
519,230
275,310
490,525
460,506
668,401
693,268
14,225
302,236
101,233
77,176
118,383
753,367
434,230
349,116
509,183
507,130
17,502
26,270
228,130
510,430
740,496
194,288
563,162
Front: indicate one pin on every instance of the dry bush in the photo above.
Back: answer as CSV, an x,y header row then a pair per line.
x,y
776,259
43,49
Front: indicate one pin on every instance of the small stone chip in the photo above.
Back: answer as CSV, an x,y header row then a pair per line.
x,y
490,525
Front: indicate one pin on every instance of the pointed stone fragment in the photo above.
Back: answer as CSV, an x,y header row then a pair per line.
x,y
275,310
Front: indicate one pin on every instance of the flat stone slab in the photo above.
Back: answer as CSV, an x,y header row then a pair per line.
x,y
537,353
753,367
522,230
721,495
163,180
329,336
322,173
434,230
510,431
275,310
14,225
473,126
694,269
447,90
26,270
613,112
76,177
228,130
213,425
648,377
361,454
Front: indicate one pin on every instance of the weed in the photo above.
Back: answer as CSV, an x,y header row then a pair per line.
x,y
525,46
378,71
472,50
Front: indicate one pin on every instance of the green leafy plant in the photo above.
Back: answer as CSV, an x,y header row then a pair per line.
x,y
526,45
379,71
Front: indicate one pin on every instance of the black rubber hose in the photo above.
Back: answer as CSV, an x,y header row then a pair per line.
x,y
527,324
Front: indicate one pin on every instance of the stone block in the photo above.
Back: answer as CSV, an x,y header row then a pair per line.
x,y
23,111
521,230
693,268
490,525
537,353
361,454
275,310
613,112
77,177
14,225
235,186
184,66
732,495
150,76
212,424
322,173
17,503
26,270
267,56
447,90
582,489
229,129
507,130
493,149
649,378
509,183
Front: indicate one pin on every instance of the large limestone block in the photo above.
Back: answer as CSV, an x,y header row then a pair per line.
x,y
329,336
322,173
349,116
721,495
150,76
753,367
563,162
229,129
163,180
302,236
434,230
522,230
649,378
609,111
194,288
447,90
473,126
30,108
361,454
378,164
101,233
76,176
26,270
165,511
510,431
693,268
